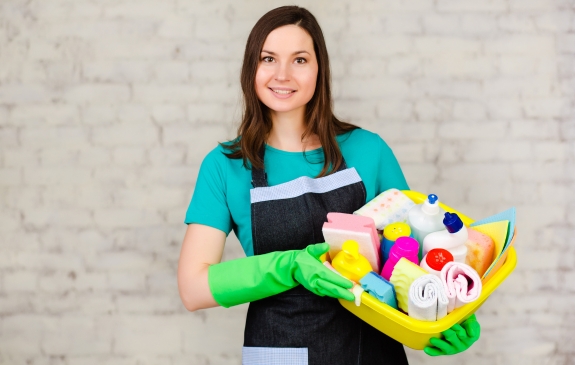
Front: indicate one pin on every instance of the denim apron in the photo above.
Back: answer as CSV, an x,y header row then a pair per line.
x,y
298,327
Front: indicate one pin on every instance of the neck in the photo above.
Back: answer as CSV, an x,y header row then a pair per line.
x,y
287,129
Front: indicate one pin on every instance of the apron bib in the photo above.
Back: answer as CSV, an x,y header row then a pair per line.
x,y
298,327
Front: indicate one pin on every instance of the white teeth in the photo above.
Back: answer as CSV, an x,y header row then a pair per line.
x,y
282,91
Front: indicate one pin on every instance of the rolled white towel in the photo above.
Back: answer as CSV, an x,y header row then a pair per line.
x,y
462,284
427,299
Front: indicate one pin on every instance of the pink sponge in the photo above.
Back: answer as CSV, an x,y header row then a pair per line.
x,y
341,227
479,251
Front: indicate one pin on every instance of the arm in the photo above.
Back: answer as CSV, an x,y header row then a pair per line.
x,y
390,175
202,247
204,282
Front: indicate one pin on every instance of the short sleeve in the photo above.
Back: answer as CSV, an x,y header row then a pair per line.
x,y
390,176
209,203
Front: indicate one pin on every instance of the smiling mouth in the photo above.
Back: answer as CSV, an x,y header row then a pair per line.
x,y
282,92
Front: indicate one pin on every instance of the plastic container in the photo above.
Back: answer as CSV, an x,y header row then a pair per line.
x,y
391,233
414,333
349,263
404,247
425,218
452,239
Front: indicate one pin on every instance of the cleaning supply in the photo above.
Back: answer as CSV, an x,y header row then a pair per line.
x,y
480,251
453,238
414,333
498,231
341,227
256,277
457,339
350,263
462,284
425,218
508,215
391,233
380,288
434,261
427,300
388,207
406,247
404,273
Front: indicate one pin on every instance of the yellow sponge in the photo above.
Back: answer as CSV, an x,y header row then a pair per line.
x,y
480,248
404,273
498,232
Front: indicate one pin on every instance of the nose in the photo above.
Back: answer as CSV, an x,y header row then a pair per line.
x,y
282,72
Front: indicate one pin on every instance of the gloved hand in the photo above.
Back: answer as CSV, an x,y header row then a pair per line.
x,y
257,277
457,339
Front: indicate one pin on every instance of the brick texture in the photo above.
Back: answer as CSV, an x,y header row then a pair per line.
x,y
108,107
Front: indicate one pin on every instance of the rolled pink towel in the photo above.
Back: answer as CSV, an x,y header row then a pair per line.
x,y
462,284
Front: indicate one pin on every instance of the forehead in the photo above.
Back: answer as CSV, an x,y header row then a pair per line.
x,y
288,38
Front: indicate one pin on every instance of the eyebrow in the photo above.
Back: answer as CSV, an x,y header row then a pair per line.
x,y
296,52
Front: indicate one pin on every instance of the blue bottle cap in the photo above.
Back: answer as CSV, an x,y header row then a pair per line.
x,y
452,222
432,198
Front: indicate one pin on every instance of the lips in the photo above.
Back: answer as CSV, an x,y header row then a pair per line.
x,y
282,91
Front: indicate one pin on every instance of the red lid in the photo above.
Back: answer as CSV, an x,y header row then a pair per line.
x,y
437,258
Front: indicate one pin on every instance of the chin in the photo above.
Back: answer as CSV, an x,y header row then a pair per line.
x,y
285,109
282,107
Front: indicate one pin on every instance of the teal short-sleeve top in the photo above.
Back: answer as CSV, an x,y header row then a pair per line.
x,y
221,197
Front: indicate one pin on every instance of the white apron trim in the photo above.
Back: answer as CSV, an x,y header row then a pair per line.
x,y
274,356
303,185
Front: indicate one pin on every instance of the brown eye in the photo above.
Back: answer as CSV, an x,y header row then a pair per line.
x,y
300,60
268,59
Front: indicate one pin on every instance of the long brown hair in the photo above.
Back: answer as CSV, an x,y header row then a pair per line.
x,y
256,121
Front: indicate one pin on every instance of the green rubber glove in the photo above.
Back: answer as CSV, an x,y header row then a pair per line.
x,y
457,339
257,277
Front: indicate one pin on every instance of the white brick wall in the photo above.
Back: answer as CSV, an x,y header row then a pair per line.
x,y
108,107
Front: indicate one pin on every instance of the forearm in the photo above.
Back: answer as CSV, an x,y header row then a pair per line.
x,y
257,277
205,282
194,289
251,278
203,246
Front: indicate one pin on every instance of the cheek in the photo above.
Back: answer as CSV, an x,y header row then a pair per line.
x,y
261,81
262,78
309,80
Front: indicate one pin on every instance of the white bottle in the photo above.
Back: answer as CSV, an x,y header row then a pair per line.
x,y
451,239
425,218
435,260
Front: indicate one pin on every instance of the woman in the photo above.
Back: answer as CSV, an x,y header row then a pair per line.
x,y
292,162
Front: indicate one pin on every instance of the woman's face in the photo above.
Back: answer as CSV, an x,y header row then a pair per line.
x,y
287,72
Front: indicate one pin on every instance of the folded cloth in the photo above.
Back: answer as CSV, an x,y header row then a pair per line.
x,y
357,291
462,284
508,215
404,273
388,207
427,299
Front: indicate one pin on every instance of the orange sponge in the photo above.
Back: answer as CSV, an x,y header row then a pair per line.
x,y
480,249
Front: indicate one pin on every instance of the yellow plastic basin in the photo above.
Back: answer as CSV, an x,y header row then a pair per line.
x,y
415,333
